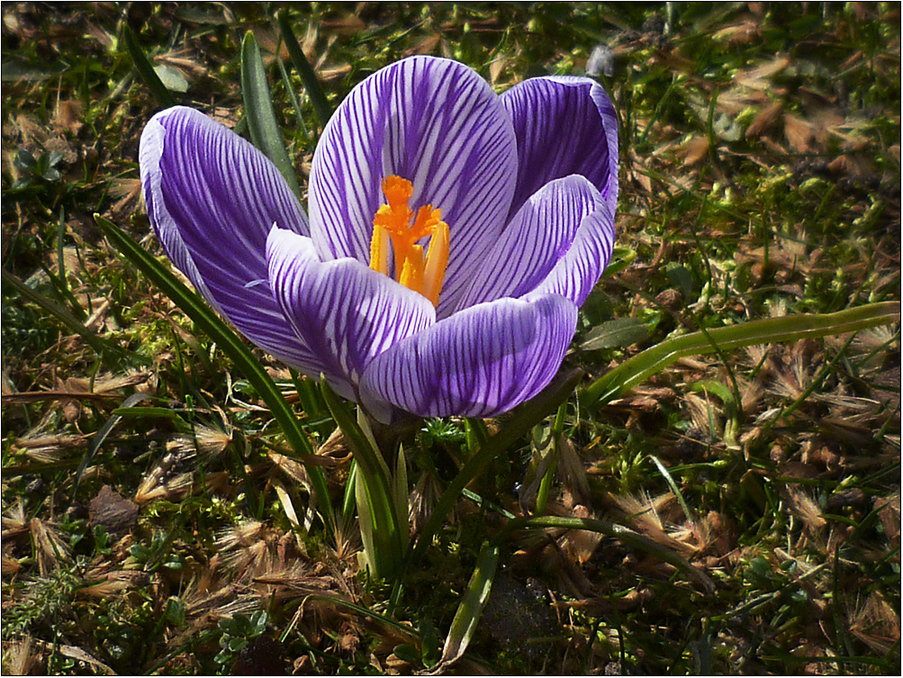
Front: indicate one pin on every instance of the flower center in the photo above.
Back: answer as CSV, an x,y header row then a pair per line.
x,y
395,222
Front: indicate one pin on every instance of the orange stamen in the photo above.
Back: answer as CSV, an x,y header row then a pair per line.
x,y
393,223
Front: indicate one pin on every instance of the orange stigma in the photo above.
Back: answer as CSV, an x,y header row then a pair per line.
x,y
395,222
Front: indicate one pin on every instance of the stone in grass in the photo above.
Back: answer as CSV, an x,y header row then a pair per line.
x,y
516,613
115,513
263,656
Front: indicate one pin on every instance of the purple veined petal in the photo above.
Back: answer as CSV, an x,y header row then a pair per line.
x,y
537,238
578,271
477,363
436,123
212,199
564,125
345,312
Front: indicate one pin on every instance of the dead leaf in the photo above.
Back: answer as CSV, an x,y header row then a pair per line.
x,y
798,132
426,46
79,654
761,76
349,25
764,120
696,149
495,70
739,34
67,116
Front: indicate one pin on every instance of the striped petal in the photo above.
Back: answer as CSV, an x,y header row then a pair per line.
x,y
478,363
540,238
436,123
345,312
578,271
212,199
564,125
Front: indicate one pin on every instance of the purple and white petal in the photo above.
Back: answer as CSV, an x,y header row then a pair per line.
x,y
478,363
345,312
212,199
436,123
578,271
538,237
564,125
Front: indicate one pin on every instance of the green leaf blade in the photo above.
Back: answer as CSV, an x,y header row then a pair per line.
x,y
470,609
766,331
299,61
196,309
146,71
265,132
615,334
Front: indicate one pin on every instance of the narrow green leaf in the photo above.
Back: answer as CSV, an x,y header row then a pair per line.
x,y
621,258
145,69
349,499
623,534
296,106
400,492
311,83
373,492
467,616
265,132
367,458
666,474
196,309
522,419
615,333
477,434
769,330
61,280
171,78
105,431
150,413
555,442
101,346
716,388
372,535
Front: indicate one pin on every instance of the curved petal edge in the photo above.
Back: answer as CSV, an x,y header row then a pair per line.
x,y
538,237
345,312
436,123
564,125
212,198
480,362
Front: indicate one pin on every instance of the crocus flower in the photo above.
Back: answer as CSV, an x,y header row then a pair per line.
x,y
452,234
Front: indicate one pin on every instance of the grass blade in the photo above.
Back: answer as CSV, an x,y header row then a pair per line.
x,y
73,324
769,330
196,309
615,333
400,492
545,485
380,523
388,622
522,420
299,61
146,70
104,433
467,616
265,132
296,106
666,474
62,283
624,534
